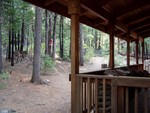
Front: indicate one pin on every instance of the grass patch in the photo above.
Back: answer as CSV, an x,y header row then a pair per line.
x,y
3,77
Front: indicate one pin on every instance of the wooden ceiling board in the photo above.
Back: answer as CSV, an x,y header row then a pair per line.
x,y
125,14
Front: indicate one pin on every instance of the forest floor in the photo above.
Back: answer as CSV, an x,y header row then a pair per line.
x,y
24,97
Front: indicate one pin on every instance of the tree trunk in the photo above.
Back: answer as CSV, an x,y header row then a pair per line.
x,y
9,46
139,48
146,51
22,35
61,38
62,35
18,41
96,36
99,42
36,77
15,36
46,32
12,48
50,35
54,36
1,64
81,54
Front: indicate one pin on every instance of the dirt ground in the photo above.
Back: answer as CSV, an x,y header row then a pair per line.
x,y
25,97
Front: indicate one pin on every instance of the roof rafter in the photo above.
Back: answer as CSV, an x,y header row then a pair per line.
x,y
48,2
140,24
103,14
137,18
131,8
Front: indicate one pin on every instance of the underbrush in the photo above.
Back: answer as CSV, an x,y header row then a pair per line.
x,y
3,78
47,63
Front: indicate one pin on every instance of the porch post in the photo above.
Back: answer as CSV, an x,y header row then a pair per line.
x,y
137,51
128,49
143,52
111,35
74,11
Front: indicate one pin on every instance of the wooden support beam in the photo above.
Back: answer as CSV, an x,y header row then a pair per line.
x,y
137,51
103,14
139,25
100,22
111,34
95,9
137,5
143,52
48,2
144,31
83,13
133,34
146,35
74,11
128,49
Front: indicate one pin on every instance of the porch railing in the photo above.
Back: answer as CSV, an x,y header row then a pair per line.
x,y
109,94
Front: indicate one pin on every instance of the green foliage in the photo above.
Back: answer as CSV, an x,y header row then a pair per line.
x,y
120,60
89,54
47,63
4,75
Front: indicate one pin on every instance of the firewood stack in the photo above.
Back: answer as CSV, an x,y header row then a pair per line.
x,y
100,98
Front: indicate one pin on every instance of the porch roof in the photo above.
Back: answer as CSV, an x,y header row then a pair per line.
x,y
129,16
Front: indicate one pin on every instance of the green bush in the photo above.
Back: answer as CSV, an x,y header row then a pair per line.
x,y
4,75
47,63
89,54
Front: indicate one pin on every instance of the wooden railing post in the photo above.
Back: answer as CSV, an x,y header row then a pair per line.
x,y
137,51
128,49
143,53
74,11
114,96
111,35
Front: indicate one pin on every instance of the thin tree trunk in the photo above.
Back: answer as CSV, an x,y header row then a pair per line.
x,y
46,32
62,35
33,31
18,41
61,38
81,47
118,45
96,36
99,42
50,35
15,41
36,77
54,36
146,51
1,64
9,46
12,48
22,36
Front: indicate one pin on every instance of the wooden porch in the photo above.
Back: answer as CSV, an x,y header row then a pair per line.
x,y
128,20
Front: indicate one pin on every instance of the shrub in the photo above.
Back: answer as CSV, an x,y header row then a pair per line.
x,y
4,75
47,63
89,54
